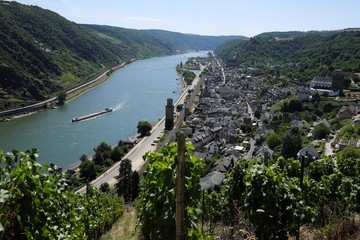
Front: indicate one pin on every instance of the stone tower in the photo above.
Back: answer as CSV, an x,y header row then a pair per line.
x,y
338,81
169,114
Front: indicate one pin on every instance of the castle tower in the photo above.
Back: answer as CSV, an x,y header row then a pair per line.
x,y
169,114
338,81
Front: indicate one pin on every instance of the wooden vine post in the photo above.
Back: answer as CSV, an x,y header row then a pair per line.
x,y
180,188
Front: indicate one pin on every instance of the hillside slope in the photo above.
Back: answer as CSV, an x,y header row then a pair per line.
x,y
299,57
41,53
180,41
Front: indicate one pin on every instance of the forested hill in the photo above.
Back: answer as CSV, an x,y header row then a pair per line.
x,y
182,41
301,56
41,52
174,40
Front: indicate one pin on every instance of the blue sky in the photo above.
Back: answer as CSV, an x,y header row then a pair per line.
x,y
211,17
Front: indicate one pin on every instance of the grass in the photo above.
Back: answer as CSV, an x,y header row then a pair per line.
x,y
124,228
277,106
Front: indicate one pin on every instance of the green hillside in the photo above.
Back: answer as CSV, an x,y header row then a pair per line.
x,y
41,53
299,57
180,41
132,42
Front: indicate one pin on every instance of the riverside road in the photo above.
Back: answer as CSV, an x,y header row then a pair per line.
x,y
145,145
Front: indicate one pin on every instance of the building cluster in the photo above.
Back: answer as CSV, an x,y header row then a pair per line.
x,y
231,104
225,113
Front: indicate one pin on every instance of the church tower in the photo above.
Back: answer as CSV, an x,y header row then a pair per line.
x,y
169,114
338,81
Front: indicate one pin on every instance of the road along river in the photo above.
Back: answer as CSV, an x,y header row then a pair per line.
x,y
137,92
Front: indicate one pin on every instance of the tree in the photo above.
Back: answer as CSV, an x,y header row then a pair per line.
x,y
291,143
102,153
104,148
321,131
144,128
105,187
273,140
124,184
61,97
350,152
315,96
257,113
87,170
116,154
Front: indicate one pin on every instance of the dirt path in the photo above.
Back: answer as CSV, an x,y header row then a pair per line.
x,y
124,228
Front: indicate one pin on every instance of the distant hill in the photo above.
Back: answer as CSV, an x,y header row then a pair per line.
x,y
133,42
292,34
180,41
41,52
297,57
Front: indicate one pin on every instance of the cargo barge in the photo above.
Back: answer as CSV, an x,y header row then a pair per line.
x,y
78,119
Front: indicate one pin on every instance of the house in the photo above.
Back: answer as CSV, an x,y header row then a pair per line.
x,y
130,140
214,148
308,151
324,121
346,112
212,180
225,164
357,121
264,152
300,124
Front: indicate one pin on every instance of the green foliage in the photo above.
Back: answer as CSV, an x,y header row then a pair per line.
x,y
322,167
190,41
105,187
321,131
349,152
291,106
35,203
188,77
117,153
273,140
125,177
269,198
42,52
349,131
102,152
291,143
87,170
300,57
349,165
144,128
156,202
257,113
61,97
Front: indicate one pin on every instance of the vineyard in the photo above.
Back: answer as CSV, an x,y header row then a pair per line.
x,y
35,203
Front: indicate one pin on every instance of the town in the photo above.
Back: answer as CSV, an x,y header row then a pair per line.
x,y
236,117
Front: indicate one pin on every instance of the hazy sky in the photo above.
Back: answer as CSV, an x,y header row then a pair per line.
x,y
211,17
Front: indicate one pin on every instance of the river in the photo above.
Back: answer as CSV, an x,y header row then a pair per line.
x,y
137,92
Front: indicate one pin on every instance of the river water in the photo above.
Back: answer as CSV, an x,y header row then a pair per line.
x,y
138,92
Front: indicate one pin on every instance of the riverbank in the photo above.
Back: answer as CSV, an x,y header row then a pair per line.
x,y
71,94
